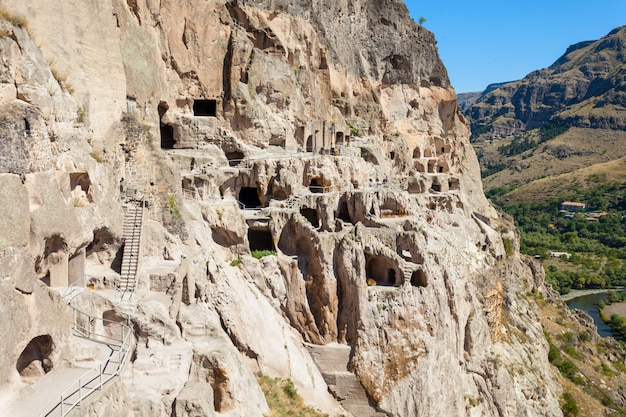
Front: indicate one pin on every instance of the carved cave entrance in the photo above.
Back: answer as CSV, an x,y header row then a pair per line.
x,y
260,239
316,185
309,143
34,361
167,131
343,213
205,108
418,278
249,197
234,158
311,215
381,271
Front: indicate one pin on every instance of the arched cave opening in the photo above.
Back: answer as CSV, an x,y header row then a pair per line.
x,y
260,239
392,155
339,139
343,213
54,243
418,278
166,131
309,143
234,158
34,361
249,197
80,179
205,108
417,153
381,271
315,186
311,215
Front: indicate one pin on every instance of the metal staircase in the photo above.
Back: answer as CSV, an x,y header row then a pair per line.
x,y
133,222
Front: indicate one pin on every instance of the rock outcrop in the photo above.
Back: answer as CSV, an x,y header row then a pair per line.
x,y
583,88
326,136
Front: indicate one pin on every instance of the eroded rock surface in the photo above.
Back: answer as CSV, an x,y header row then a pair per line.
x,y
325,135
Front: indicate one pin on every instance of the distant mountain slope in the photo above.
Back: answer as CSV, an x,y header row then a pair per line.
x,y
586,87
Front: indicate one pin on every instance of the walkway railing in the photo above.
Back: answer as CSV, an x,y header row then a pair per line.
x,y
95,378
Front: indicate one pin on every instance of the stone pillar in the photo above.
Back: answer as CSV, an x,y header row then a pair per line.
x,y
59,273
76,269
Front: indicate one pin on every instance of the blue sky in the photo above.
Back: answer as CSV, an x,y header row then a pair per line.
x,y
487,41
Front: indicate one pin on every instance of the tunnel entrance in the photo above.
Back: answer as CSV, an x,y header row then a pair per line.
x,y
260,239
34,361
309,143
249,197
205,108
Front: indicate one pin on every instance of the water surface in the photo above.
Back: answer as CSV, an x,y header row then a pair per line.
x,y
590,304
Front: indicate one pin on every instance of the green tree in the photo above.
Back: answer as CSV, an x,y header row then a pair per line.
x,y
422,20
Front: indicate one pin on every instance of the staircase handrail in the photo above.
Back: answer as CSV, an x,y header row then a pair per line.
x,y
97,373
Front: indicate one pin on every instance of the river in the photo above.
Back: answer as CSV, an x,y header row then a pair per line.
x,y
590,304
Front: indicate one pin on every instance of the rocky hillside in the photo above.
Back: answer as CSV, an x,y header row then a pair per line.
x,y
220,191
586,87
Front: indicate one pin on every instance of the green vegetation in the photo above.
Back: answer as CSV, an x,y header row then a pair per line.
x,y
354,131
422,20
283,399
235,262
598,247
517,146
569,407
258,254
552,129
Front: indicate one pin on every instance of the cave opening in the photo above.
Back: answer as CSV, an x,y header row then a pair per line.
x,y
260,240
205,108
343,213
234,158
311,215
418,278
315,186
339,139
381,271
309,143
249,197
166,131
34,361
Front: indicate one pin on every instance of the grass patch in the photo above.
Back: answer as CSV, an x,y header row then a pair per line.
x,y
283,399
258,254
235,262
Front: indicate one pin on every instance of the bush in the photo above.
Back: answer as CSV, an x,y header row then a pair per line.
x,y
235,262
569,407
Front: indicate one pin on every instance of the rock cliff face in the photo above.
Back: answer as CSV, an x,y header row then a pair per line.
x,y
583,88
328,134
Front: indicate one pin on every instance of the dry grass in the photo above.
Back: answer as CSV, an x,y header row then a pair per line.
x,y
283,399
592,146
555,322
15,20
566,183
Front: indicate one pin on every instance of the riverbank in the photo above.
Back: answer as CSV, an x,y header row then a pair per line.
x,y
580,293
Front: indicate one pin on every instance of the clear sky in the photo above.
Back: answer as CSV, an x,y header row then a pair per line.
x,y
488,41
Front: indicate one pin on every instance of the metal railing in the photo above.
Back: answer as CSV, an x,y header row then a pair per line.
x,y
95,378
